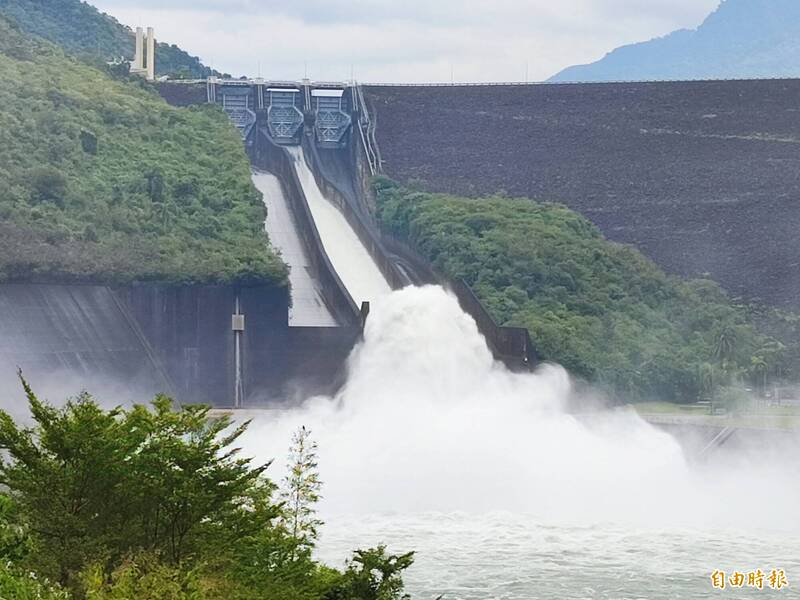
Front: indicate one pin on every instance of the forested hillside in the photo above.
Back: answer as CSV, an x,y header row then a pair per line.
x,y
81,30
601,309
103,181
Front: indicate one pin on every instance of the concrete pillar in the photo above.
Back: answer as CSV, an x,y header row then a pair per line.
x,y
138,58
151,54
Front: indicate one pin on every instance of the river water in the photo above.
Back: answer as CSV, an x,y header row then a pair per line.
x,y
515,556
432,446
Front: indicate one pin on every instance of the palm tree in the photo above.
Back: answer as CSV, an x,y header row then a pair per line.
x,y
725,345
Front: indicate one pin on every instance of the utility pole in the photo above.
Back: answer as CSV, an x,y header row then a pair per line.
x,y
237,324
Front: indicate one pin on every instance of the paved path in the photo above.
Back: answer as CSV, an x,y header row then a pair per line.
x,y
308,309
758,422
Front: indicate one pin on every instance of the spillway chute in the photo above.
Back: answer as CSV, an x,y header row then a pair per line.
x,y
351,260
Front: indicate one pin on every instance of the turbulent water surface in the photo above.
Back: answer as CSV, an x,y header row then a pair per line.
x,y
432,446
522,557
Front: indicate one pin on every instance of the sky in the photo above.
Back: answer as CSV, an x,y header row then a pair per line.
x,y
401,41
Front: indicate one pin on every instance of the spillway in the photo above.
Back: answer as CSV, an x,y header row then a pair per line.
x,y
308,307
351,260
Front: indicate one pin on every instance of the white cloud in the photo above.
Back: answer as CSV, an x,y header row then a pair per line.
x,y
409,41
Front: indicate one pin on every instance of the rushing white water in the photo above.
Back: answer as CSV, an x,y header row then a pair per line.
x,y
432,446
350,259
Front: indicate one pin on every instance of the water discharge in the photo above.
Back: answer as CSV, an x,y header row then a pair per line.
x,y
350,259
429,429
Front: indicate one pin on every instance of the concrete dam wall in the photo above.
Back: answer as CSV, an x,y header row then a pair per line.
x,y
325,122
701,176
69,337
128,343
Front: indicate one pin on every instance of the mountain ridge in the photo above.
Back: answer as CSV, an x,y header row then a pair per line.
x,y
741,39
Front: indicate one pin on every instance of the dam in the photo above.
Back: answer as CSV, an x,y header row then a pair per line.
x,y
698,175
312,151
314,147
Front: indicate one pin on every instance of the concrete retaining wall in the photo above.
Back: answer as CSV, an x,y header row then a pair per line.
x,y
69,337
330,165
128,343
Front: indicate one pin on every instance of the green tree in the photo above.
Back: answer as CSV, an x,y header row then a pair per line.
x,y
759,370
83,151
84,31
155,185
15,539
302,490
89,142
705,375
96,485
18,585
155,503
725,344
166,211
145,577
49,185
373,575
603,310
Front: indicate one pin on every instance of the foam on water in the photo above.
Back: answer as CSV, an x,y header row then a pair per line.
x,y
428,421
428,426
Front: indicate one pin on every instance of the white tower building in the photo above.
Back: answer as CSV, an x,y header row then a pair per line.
x,y
144,63
151,54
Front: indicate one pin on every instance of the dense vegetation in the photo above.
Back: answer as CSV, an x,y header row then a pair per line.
x,y
102,180
157,504
81,30
601,309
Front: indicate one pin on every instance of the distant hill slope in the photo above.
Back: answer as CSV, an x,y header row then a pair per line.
x,y
102,181
81,30
741,39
